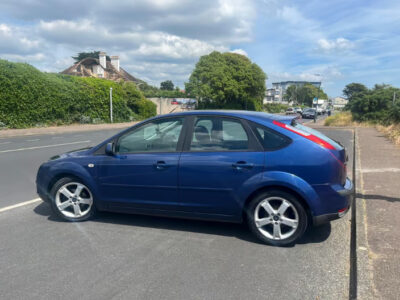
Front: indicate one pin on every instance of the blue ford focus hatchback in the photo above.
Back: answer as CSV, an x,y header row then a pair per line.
x,y
276,175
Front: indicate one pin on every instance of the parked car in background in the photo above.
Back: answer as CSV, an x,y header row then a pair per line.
x,y
212,165
174,102
298,110
309,113
290,111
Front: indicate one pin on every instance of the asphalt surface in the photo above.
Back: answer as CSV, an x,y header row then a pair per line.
x,y
140,257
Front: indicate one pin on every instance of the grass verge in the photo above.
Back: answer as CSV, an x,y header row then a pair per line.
x,y
340,119
391,131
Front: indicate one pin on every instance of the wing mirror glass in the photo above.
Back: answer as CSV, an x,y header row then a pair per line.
x,y
110,149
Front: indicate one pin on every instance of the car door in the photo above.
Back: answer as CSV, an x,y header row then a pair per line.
x,y
220,162
143,172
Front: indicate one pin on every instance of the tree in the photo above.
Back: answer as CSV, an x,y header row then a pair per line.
x,y
352,89
167,85
227,80
291,93
305,94
93,54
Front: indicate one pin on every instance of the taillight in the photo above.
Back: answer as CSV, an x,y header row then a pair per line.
x,y
306,135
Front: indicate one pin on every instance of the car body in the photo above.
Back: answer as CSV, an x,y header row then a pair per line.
x,y
174,102
209,165
298,110
308,113
290,111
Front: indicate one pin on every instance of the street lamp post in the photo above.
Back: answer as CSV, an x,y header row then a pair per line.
x,y
316,104
111,106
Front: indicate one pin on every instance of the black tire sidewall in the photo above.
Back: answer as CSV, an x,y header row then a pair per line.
x,y
303,218
53,193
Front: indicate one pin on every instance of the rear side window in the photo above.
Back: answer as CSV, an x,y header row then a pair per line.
x,y
219,134
270,139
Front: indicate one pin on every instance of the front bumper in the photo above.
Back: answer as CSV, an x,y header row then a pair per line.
x,y
347,193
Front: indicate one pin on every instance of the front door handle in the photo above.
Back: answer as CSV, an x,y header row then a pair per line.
x,y
242,165
161,165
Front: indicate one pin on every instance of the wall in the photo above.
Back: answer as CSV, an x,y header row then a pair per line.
x,y
164,106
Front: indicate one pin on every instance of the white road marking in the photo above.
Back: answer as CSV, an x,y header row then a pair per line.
x,y
381,170
46,146
33,140
3,143
19,204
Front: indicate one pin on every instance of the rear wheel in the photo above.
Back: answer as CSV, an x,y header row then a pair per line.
x,y
276,218
72,200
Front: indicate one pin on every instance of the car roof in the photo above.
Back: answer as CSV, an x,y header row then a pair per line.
x,y
245,114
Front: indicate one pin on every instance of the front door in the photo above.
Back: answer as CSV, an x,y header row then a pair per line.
x,y
143,173
220,162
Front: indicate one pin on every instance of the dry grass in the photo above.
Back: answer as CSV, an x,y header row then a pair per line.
x,y
340,119
391,131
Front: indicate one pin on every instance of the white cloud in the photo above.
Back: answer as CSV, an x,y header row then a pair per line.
x,y
14,40
340,44
239,51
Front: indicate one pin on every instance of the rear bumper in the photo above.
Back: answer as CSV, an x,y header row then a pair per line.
x,y
347,194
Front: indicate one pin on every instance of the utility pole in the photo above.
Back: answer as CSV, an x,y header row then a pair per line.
x,y
111,108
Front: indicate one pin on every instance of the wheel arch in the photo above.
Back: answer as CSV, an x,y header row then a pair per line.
x,y
278,187
59,176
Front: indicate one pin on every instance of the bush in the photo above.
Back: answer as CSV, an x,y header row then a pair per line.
x,y
29,97
375,105
275,107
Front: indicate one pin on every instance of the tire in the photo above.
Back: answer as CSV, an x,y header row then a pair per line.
x,y
72,200
272,209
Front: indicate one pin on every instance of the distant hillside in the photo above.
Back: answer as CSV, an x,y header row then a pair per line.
x,y
29,98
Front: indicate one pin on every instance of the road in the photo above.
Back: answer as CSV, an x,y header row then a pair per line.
x,y
140,257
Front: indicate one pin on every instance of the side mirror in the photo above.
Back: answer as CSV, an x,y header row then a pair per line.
x,y
109,149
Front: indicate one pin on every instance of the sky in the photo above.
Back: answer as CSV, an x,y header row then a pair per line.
x,y
336,41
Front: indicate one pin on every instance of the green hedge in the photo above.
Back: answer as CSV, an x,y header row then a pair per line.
x,y
275,107
29,98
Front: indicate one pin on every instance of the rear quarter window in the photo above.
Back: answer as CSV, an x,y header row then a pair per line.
x,y
270,139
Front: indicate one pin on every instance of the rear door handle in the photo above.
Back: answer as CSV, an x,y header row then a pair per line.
x,y
161,165
242,165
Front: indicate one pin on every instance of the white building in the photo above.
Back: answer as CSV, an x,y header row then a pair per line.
x,y
277,92
339,102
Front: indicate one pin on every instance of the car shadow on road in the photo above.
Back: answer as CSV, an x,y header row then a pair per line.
x,y
377,197
240,231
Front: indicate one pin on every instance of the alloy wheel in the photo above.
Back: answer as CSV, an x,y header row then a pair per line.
x,y
74,200
276,218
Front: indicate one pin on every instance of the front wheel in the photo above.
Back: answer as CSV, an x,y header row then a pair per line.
x,y
72,200
276,218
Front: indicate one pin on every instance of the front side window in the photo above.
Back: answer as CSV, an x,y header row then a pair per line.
x,y
156,136
219,134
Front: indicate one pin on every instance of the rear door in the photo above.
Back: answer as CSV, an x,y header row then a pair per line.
x,y
220,162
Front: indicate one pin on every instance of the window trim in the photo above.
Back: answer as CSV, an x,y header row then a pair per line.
x,y
254,125
179,145
253,146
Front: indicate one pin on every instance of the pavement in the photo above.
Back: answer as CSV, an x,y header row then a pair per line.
x,y
378,194
139,257
6,133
